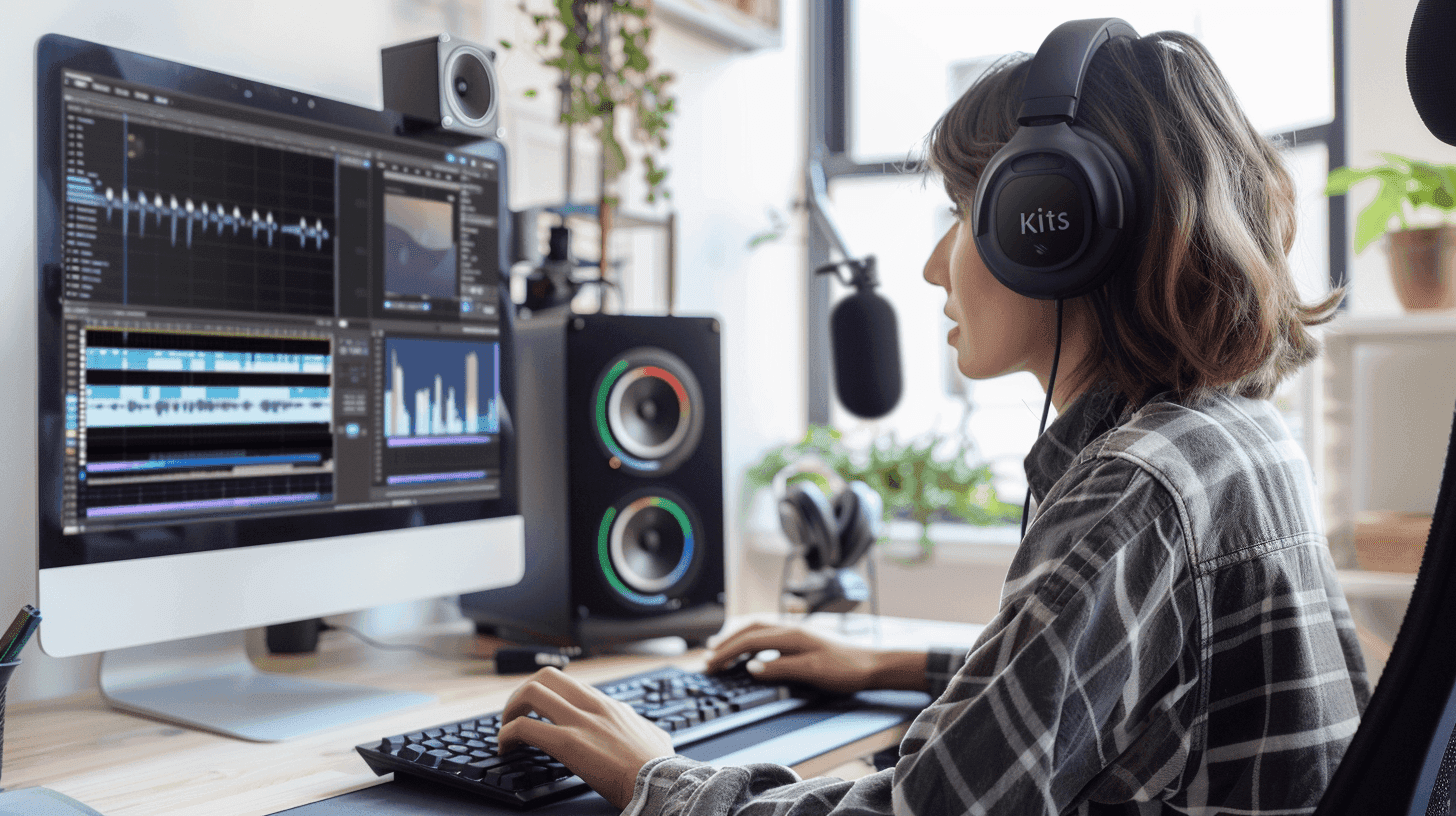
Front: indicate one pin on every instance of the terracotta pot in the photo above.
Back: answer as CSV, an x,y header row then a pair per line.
x,y
1423,267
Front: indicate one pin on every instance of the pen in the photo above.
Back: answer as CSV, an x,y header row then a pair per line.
x,y
19,632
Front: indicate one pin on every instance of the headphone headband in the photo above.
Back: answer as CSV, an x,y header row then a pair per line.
x,y
1054,80
809,463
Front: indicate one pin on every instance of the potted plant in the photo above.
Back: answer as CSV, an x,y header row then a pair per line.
x,y
930,478
1423,258
600,48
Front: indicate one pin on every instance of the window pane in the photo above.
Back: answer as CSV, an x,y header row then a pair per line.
x,y
910,57
1310,257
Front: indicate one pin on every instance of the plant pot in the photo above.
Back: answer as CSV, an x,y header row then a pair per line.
x,y
1423,267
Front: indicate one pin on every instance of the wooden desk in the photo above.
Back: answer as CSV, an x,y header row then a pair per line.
x,y
126,765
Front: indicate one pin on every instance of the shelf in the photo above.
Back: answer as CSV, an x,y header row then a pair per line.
x,y
1433,323
720,23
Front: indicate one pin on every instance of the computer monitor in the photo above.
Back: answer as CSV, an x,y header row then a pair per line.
x,y
274,378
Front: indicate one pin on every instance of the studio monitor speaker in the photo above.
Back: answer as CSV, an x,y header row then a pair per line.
x,y
621,472
443,82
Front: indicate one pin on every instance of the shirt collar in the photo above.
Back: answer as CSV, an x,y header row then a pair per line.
x,y
1089,416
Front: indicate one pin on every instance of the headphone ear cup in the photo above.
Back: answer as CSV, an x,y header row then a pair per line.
x,y
857,511
808,520
1091,218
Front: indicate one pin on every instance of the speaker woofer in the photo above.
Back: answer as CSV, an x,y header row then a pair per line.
x,y
472,86
646,546
649,411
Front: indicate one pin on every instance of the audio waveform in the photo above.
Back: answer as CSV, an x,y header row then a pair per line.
x,y
83,190
126,406
126,359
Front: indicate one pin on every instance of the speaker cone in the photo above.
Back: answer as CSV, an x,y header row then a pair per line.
x,y
472,85
646,546
649,411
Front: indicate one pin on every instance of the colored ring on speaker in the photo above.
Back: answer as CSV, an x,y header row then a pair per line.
x,y
639,366
611,551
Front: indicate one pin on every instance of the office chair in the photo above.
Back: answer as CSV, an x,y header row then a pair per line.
x,y
1402,757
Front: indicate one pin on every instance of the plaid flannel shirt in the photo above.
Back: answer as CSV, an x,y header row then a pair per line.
x,y
1171,638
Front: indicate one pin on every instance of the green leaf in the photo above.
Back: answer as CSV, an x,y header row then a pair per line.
x,y
1372,221
530,93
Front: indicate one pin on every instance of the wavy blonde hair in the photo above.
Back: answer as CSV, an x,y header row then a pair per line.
x,y
1211,305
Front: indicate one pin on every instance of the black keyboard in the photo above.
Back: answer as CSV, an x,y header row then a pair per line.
x,y
690,706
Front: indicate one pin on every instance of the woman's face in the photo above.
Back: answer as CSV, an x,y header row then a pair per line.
x,y
996,330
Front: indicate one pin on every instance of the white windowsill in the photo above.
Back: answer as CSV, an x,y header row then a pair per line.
x,y
954,543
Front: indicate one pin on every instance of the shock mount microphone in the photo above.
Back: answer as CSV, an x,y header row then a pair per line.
x,y
862,327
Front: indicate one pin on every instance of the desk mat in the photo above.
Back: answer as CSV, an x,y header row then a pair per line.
x,y
787,740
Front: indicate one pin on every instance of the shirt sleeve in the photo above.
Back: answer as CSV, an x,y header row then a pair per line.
x,y
1080,689
941,664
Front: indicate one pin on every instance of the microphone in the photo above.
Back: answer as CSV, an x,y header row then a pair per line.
x,y
1429,70
862,328
866,344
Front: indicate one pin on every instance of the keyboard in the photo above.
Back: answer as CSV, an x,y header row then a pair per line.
x,y
689,705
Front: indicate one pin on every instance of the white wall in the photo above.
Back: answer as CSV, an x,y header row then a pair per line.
x,y
737,149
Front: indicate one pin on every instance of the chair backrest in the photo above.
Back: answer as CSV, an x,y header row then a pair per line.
x,y
1402,756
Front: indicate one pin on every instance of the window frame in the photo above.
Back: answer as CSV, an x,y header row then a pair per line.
x,y
829,142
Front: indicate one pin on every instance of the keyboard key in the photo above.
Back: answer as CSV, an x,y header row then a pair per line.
x,y
516,780
754,698
412,752
663,712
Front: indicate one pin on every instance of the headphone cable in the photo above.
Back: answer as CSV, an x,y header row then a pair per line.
x,y
1045,408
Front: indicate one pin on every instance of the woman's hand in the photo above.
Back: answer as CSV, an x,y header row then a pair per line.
x,y
600,739
808,658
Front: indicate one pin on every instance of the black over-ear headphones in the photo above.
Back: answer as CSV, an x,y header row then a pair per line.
x,y
831,531
1055,209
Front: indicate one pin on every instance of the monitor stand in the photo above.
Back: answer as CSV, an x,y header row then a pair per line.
x,y
210,683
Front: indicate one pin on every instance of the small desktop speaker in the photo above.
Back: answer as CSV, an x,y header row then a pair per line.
x,y
619,431
444,83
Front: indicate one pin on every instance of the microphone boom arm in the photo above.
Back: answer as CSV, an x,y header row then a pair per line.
x,y
862,273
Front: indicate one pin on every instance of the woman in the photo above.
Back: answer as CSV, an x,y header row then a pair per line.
x,y
1171,636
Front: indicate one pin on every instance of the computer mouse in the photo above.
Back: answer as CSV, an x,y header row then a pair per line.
x,y
740,663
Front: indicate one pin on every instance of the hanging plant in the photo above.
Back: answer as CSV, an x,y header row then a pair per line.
x,y
601,49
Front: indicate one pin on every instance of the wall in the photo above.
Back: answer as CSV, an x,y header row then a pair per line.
x,y
737,149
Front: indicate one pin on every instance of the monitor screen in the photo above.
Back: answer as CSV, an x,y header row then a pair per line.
x,y
264,316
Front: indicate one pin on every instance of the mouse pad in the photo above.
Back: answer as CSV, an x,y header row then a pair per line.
x,y
787,740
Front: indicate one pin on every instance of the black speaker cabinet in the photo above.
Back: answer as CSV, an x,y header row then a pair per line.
x,y
443,82
621,472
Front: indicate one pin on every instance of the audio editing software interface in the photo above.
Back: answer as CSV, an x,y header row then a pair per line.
x,y
265,315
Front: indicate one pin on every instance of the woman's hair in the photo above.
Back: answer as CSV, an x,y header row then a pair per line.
x,y
1211,305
